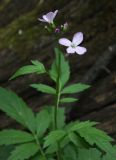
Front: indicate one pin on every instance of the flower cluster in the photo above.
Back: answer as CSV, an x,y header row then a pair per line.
x,y
72,46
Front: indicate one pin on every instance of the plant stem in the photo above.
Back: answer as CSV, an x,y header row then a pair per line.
x,y
56,107
55,117
58,93
40,148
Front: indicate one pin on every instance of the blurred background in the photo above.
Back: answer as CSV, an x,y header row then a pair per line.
x,y
23,38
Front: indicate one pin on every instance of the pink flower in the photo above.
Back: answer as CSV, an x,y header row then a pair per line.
x,y
49,17
74,45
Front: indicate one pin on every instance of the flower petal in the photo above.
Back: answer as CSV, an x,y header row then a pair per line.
x,y
50,17
42,20
55,13
80,50
46,19
65,42
70,50
78,38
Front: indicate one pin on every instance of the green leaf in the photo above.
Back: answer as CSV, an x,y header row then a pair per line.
x,y
75,88
17,109
24,151
77,141
60,68
54,137
42,122
80,125
38,156
68,100
93,135
54,148
36,67
111,154
70,153
60,116
13,136
44,88
108,148
5,151
89,154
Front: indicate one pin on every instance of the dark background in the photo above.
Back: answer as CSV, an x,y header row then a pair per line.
x,y
23,38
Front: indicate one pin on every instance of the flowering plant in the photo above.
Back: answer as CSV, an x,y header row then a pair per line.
x,y
46,135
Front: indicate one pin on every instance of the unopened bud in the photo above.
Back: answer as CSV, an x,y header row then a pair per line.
x,y
64,26
57,30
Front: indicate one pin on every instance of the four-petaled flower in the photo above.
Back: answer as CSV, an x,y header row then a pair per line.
x,y
73,46
49,17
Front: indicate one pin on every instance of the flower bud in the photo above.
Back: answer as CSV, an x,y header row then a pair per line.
x,y
57,30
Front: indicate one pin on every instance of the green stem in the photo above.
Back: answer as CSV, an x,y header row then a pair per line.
x,y
40,148
56,108
58,93
55,117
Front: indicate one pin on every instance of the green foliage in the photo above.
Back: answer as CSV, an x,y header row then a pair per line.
x,y
60,68
74,141
68,100
89,154
70,153
78,125
110,151
54,147
75,88
42,122
24,151
110,155
36,67
5,151
53,137
12,136
77,140
40,157
17,109
60,116
93,135
44,88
